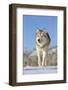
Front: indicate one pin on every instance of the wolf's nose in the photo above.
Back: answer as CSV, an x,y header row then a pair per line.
x,y
38,40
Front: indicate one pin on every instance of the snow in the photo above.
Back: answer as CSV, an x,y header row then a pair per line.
x,y
40,70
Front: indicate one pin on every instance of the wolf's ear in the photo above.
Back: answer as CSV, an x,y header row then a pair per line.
x,y
48,37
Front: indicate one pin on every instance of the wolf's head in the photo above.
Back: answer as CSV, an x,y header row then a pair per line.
x,y
42,37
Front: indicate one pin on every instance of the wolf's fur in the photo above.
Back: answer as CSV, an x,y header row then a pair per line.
x,y
42,44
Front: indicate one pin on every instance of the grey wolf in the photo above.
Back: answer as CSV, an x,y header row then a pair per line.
x,y
42,44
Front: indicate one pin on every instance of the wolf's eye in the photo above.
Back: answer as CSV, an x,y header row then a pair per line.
x,y
45,36
42,34
38,36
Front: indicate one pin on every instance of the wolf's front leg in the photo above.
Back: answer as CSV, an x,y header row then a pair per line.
x,y
39,59
43,58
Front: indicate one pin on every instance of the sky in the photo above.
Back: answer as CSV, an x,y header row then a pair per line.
x,y
31,23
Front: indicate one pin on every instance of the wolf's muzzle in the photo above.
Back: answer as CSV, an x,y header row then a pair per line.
x,y
39,40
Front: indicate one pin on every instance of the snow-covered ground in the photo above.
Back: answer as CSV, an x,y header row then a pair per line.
x,y
40,70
